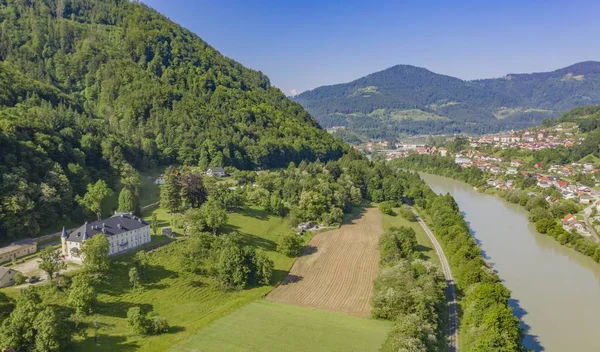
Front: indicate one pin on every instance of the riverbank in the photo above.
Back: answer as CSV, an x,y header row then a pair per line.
x,y
549,282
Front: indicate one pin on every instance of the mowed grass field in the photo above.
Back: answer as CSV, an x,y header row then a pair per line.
x,y
425,246
264,326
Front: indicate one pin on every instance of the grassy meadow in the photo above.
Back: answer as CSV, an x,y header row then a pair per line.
x,y
188,301
271,327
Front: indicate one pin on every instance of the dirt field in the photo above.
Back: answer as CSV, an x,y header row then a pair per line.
x,y
337,270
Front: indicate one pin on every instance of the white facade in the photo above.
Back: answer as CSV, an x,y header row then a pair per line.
x,y
117,243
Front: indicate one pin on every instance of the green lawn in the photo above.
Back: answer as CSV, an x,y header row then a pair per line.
x,y
267,326
425,245
188,301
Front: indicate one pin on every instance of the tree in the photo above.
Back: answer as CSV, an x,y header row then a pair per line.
x,y
396,244
137,320
170,192
82,295
95,254
141,260
96,193
355,196
193,190
143,324
52,333
31,326
134,278
312,205
127,201
18,330
290,244
213,215
232,270
51,262
154,224
263,268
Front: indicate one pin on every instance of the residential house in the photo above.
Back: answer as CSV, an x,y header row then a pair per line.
x,y
124,232
544,182
18,249
516,163
511,171
160,180
7,276
495,170
585,198
216,172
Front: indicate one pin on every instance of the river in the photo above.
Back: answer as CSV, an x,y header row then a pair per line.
x,y
555,290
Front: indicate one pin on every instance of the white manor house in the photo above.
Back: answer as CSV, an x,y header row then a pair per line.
x,y
124,232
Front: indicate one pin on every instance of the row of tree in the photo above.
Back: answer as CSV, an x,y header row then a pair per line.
x,y
411,293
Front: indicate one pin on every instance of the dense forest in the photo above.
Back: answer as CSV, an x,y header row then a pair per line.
x,y
90,90
411,100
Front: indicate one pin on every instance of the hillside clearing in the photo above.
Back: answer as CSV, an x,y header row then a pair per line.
x,y
267,326
337,269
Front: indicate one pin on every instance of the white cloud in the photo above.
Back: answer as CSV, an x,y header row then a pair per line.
x,y
293,92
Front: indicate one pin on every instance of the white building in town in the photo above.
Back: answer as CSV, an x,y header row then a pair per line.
x,y
123,231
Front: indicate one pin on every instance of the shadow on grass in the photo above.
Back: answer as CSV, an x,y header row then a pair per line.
x,y
119,309
175,329
198,284
278,276
258,242
355,214
254,213
108,343
118,283
423,249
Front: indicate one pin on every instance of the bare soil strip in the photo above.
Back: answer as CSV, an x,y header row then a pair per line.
x,y
337,269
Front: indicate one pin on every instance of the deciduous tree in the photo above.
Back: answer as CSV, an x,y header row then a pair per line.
x,y
50,261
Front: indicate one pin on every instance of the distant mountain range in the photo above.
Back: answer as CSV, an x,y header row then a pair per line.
x,y
411,100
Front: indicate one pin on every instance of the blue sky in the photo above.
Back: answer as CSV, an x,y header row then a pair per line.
x,y
301,45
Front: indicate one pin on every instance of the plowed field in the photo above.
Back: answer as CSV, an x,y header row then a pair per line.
x,y
337,269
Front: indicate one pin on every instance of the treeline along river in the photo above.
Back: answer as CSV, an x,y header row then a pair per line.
x,y
555,290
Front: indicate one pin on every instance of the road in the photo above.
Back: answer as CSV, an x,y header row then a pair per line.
x,y
586,213
450,291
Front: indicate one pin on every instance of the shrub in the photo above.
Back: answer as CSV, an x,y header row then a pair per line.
x,y
386,208
406,212
157,325
19,278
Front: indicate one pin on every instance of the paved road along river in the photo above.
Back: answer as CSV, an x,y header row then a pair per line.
x,y
555,290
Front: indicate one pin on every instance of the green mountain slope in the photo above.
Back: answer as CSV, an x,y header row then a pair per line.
x,y
89,88
432,103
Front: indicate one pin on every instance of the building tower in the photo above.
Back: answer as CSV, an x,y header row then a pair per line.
x,y
63,241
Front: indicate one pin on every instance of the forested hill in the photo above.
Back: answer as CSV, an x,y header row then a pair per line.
x,y
408,99
90,88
